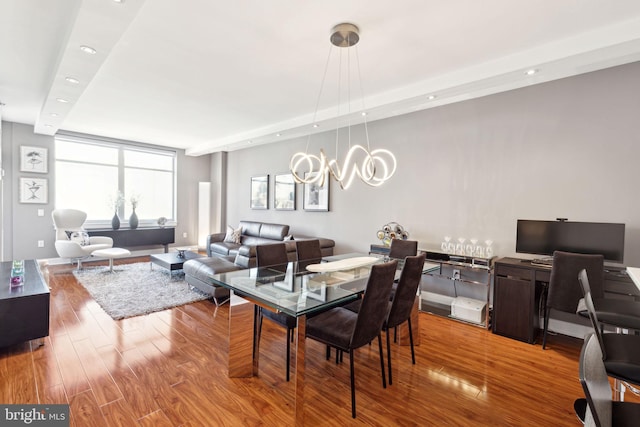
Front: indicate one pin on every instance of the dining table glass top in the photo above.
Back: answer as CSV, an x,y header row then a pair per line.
x,y
295,291
292,289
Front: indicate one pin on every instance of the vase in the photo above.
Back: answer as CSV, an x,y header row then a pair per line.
x,y
115,221
133,220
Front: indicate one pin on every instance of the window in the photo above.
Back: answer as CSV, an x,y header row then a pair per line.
x,y
89,175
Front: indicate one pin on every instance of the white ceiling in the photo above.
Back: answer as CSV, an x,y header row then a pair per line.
x,y
209,75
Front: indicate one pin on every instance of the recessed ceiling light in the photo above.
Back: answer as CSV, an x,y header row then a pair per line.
x,y
364,113
278,134
249,142
88,49
64,101
54,114
431,97
119,1
315,125
48,126
531,72
72,80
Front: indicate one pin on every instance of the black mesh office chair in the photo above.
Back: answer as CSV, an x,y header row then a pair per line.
x,y
275,257
346,331
564,291
620,352
600,409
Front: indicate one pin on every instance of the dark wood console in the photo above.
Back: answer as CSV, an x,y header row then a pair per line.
x,y
148,236
519,286
24,310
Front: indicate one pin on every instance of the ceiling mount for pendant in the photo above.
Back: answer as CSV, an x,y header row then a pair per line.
x,y
345,35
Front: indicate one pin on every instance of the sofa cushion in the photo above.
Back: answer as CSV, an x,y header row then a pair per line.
x,y
264,230
224,248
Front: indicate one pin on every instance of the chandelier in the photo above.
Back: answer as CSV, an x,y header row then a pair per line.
x,y
373,167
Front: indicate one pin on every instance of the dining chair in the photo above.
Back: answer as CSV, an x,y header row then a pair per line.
x,y
400,249
600,409
347,331
275,257
308,252
564,292
403,302
620,352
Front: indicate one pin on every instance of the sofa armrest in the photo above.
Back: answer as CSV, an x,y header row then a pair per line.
x,y
212,238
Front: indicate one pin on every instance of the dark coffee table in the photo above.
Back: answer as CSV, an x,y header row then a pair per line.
x,y
172,260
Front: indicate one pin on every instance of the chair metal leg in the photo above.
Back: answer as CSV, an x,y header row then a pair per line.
x,y
413,353
546,327
353,385
389,355
384,377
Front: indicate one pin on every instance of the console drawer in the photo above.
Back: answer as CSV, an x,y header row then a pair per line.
x,y
514,272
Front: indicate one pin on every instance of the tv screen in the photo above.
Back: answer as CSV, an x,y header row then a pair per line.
x,y
545,237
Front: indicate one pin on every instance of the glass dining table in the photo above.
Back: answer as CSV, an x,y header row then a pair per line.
x,y
295,291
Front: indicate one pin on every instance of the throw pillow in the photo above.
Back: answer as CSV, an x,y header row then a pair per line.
x,y
233,236
80,237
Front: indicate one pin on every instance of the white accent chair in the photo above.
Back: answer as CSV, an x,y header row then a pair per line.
x,y
72,220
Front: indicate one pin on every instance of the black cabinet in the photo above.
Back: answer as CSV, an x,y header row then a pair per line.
x,y
516,299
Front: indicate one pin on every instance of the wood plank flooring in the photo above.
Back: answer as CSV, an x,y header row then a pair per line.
x,y
169,369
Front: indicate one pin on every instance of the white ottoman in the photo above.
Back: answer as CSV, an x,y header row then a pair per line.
x,y
111,253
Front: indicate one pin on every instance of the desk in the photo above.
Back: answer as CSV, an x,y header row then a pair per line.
x,y
292,292
634,275
519,285
24,310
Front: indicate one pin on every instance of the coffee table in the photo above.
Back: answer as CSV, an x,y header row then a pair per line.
x,y
172,260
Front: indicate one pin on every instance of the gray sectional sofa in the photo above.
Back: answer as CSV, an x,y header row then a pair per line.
x,y
228,256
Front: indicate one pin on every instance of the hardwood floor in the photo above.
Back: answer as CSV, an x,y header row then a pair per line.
x,y
169,369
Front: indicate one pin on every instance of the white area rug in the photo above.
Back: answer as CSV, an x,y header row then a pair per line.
x,y
135,289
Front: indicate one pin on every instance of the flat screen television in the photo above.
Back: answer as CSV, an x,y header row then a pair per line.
x,y
545,237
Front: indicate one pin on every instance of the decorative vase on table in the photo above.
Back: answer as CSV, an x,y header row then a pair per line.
x,y
115,221
133,220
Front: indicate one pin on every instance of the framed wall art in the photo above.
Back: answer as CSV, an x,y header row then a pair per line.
x,y
33,159
33,190
316,196
284,189
260,192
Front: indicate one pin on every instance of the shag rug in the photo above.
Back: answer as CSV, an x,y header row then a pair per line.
x,y
135,289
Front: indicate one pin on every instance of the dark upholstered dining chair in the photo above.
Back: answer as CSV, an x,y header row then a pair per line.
x,y
403,302
275,257
620,352
400,249
346,331
600,409
308,252
564,290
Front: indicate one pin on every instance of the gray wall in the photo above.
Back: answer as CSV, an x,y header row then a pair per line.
x,y
22,228
567,148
